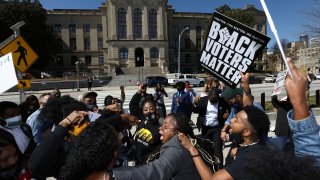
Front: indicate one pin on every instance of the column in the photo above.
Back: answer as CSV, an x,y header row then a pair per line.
x,y
129,23
145,23
160,23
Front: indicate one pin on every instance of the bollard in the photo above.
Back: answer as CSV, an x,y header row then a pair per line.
x,y
317,97
263,100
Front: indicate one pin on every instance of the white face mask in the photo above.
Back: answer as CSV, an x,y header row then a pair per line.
x,y
12,123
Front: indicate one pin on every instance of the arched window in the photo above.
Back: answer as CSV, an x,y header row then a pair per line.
x,y
154,53
153,23
122,23
123,54
187,43
137,23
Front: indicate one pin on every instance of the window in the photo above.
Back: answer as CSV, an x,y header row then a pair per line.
x,y
198,43
137,23
122,23
123,53
57,28
87,60
86,43
153,23
60,61
187,43
101,60
187,58
74,60
73,44
198,30
154,53
259,27
86,27
100,43
72,28
99,27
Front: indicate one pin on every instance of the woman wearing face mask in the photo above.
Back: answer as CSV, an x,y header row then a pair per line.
x,y
12,129
147,137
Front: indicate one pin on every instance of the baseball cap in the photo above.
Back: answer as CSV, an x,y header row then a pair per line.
x,y
229,93
90,93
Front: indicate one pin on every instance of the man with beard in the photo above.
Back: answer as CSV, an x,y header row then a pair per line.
x,y
250,125
237,98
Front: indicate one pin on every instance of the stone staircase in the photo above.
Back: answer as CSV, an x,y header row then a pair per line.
x,y
130,76
147,71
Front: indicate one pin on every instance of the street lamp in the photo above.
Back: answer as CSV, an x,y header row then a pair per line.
x,y
186,28
77,68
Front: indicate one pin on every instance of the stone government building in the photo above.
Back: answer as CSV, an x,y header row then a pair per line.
x,y
108,39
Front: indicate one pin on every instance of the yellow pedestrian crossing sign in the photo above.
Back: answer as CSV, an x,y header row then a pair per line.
x,y
23,84
22,54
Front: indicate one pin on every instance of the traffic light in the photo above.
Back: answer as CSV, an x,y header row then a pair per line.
x,y
139,61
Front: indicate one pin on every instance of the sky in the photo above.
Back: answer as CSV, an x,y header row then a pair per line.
x,y
289,16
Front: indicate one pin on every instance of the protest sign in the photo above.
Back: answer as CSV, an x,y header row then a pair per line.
x,y
279,84
8,77
230,47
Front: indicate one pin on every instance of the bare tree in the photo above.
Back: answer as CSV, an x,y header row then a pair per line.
x,y
313,24
275,58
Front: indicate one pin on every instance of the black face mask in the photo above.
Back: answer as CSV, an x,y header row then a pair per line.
x,y
236,138
151,117
90,107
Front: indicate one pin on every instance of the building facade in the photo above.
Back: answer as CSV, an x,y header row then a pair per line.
x,y
120,32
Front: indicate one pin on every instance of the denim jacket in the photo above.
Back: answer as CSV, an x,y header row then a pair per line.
x,y
306,136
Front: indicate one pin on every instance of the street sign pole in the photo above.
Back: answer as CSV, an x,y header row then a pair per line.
x,y
16,30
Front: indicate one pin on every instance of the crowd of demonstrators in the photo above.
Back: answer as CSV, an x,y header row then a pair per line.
x,y
254,158
74,139
71,119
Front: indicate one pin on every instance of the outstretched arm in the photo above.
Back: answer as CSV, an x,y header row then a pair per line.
x,y
247,97
296,89
203,169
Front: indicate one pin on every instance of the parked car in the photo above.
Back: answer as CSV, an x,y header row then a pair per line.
x,y
270,78
317,76
193,80
154,80
254,80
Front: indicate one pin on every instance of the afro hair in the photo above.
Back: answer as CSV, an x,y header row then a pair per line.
x,y
258,120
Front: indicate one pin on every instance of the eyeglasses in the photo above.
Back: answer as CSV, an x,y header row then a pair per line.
x,y
164,127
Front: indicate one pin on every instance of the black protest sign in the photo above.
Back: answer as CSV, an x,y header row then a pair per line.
x,y
230,47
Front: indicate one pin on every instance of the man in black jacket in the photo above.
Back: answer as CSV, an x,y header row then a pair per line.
x,y
212,112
